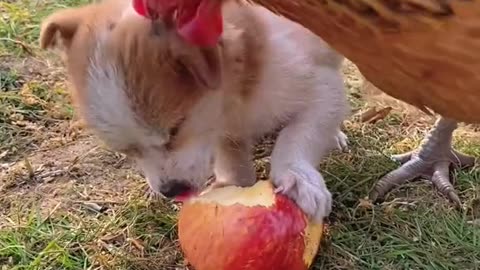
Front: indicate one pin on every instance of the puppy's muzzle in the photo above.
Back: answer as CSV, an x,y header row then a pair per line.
x,y
174,188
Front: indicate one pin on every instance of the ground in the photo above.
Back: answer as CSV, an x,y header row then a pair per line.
x,y
68,202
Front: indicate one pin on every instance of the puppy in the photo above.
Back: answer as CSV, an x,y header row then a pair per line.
x,y
186,113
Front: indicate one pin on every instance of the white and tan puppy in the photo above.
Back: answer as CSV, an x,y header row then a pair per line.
x,y
186,113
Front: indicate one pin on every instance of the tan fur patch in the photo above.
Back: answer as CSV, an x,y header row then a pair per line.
x,y
250,61
157,86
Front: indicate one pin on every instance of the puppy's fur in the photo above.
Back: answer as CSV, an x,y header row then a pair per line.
x,y
185,113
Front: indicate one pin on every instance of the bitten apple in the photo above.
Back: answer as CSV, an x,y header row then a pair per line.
x,y
253,228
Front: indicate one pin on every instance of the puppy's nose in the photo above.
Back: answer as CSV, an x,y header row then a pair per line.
x,y
174,188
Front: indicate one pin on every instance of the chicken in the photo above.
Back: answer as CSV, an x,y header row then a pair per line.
x,y
423,52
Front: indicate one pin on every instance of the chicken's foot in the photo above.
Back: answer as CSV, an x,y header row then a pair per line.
x,y
432,161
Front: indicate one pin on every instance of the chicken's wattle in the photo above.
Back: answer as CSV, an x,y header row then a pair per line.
x,y
199,22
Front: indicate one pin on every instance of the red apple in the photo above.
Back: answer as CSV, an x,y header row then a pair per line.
x,y
234,228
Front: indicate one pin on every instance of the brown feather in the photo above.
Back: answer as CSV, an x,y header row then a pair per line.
x,y
424,52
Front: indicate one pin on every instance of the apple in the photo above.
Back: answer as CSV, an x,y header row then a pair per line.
x,y
247,228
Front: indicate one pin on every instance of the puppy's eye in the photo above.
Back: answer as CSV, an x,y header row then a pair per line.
x,y
111,26
172,134
181,70
173,131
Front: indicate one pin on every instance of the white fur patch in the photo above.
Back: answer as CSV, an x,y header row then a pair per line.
x,y
109,110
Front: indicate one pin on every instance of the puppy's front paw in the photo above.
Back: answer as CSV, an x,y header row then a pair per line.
x,y
342,141
152,195
305,185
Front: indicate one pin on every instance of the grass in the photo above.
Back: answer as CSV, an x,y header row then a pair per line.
x,y
73,242
69,203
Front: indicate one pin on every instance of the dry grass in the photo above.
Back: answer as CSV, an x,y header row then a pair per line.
x,y
69,203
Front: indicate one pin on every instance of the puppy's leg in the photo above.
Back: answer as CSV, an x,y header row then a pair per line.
x,y
341,141
233,163
303,143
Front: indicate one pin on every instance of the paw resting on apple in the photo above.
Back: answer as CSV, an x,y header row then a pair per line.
x,y
305,185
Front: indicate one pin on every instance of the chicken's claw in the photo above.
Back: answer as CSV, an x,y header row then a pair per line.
x,y
432,162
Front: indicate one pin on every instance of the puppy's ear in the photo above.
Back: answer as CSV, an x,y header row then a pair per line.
x,y
60,28
204,64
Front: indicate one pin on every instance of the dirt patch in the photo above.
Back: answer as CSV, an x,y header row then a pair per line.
x,y
81,170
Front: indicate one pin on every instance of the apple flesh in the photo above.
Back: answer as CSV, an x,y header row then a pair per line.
x,y
253,228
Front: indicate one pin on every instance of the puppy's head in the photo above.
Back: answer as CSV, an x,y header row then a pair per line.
x,y
138,86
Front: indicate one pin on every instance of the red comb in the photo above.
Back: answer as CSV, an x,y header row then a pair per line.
x,y
153,9
140,7
199,22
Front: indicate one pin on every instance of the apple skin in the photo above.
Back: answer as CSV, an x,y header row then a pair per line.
x,y
234,228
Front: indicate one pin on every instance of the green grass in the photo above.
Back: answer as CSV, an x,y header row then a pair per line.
x,y
29,103
28,108
79,241
93,214
415,228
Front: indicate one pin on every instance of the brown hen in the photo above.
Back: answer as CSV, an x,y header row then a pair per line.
x,y
424,52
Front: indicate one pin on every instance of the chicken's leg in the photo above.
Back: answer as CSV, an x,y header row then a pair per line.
x,y
431,161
